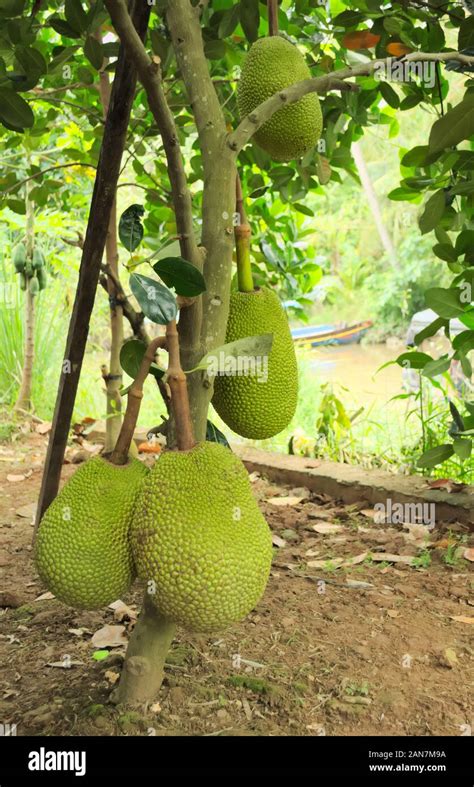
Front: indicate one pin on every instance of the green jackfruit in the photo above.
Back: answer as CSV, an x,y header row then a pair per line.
x,y
260,405
271,65
82,548
34,285
42,278
19,257
38,261
199,539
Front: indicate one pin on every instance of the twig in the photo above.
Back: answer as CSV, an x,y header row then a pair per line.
x,y
48,169
249,125
176,379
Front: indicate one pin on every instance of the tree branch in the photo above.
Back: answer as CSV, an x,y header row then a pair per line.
x,y
149,73
48,169
250,124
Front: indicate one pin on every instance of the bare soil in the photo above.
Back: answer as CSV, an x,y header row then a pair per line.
x,y
376,647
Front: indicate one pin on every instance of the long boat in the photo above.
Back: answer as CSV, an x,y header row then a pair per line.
x,y
320,335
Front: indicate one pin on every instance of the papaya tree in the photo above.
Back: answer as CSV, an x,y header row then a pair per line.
x,y
368,61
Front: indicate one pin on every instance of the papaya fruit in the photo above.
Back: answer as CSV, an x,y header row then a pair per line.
x,y
19,257
42,278
34,286
38,261
23,281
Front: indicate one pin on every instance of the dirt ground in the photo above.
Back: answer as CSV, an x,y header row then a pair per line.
x,y
352,637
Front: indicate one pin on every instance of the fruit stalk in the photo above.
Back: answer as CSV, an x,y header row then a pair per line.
x,y
242,233
272,6
176,379
119,455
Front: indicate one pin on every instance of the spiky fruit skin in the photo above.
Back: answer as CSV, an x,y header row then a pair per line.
x,y
82,549
199,539
248,404
271,65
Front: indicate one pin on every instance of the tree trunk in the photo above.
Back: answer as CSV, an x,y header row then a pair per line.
x,y
113,375
23,401
372,199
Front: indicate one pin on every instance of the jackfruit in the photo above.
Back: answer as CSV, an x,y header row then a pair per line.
x,y
19,257
271,65
82,548
260,405
199,539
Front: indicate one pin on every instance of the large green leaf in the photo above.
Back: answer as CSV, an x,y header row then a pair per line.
x,y
156,301
131,356
435,456
14,110
94,52
455,126
76,17
462,448
181,275
414,360
131,228
445,301
433,212
250,18
438,366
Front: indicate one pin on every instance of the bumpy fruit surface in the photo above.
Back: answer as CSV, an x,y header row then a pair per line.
x,y
271,65
199,539
260,405
82,549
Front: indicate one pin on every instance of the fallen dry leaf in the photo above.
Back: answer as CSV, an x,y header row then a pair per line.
x,y
356,583
15,479
28,511
393,613
109,637
379,557
449,658
122,611
66,664
44,428
353,561
45,596
111,676
447,484
290,500
462,619
468,554
277,541
335,562
78,632
155,708
312,552
326,527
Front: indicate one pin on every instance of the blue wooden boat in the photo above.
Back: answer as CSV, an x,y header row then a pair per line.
x,y
320,335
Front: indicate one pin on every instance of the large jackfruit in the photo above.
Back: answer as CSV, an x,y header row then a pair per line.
x,y
82,548
260,405
199,539
271,65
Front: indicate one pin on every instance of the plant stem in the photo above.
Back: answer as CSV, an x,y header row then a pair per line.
x,y
23,401
242,233
135,395
176,379
272,6
143,669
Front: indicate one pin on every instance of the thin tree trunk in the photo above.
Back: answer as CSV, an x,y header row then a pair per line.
x,y
372,199
113,375
24,396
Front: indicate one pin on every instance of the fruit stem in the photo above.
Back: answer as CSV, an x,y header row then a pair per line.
x,y
176,380
242,233
272,6
119,455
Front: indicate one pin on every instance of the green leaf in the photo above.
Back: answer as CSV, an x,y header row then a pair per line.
x,y
302,209
414,360
415,157
62,27
436,367
75,15
462,448
180,274
14,110
445,301
156,301
131,356
445,252
430,330
214,435
435,456
100,655
389,95
455,126
32,62
250,19
433,212
215,50
131,228
466,33
236,357
229,21
93,51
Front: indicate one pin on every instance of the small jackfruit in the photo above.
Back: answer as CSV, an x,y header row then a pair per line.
x,y
19,257
271,65
199,539
82,549
259,405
